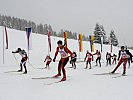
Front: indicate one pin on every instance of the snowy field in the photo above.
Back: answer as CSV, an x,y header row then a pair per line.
x,y
81,84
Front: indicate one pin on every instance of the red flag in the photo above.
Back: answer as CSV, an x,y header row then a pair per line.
x,y
6,38
49,41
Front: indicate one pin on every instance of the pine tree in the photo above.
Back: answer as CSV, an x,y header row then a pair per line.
x,y
100,34
105,40
97,33
40,29
50,29
114,38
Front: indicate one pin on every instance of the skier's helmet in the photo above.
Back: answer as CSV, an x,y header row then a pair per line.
x,y
19,49
122,47
59,42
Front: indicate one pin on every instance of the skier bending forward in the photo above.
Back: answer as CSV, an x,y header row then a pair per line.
x,y
23,60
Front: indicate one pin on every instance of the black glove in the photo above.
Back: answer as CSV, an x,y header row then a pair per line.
x,y
12,51
54,59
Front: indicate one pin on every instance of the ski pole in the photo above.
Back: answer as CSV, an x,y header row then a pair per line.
x,y
15,59
103,60
31,64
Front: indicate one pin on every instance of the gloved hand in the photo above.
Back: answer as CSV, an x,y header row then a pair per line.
x,y
12,51
54,59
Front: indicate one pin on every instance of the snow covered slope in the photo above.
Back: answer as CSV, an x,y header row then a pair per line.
x,y
81,84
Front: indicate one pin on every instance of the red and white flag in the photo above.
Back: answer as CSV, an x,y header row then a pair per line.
x,y
49,41
6,37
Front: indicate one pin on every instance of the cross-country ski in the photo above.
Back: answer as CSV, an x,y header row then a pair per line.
x,y
119,76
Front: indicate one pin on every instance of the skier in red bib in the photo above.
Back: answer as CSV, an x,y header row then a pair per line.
x,y
63,50
90,57
123,56
48,59
98,57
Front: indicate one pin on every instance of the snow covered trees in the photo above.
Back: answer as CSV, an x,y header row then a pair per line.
x,y
20,24
113,38
99,33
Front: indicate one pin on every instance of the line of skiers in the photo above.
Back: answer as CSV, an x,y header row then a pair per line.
x,y
124,56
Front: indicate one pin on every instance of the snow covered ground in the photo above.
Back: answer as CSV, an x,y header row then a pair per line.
x,y
81,84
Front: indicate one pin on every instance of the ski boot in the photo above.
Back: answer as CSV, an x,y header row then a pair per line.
x,y
56,76
63,79
124,73
25,73
19,70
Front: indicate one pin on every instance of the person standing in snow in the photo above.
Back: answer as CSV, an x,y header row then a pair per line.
x,y
108,58
73,60
90,57
23,60
63,50
48,59
98,57
114,59
123,58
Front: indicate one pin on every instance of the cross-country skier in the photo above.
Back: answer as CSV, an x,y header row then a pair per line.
x,y
114,59
108,58
123,56
129,58
48,59
23,60
63,50
73,60
90,57
98,57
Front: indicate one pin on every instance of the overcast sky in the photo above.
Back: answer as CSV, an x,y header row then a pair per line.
x,y
76,15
